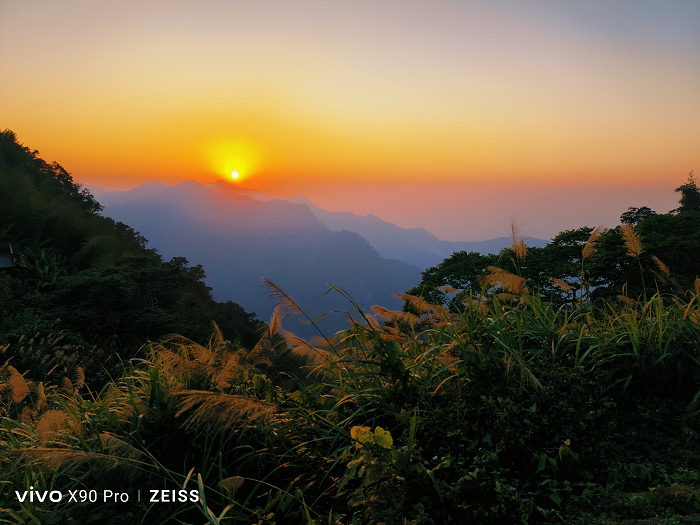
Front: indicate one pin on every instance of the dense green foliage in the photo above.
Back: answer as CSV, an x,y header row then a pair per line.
x,y
85,281
501,412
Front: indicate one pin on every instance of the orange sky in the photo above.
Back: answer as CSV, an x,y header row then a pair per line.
x,y
367,102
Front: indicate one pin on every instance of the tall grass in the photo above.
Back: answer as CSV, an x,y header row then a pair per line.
x,y
406,416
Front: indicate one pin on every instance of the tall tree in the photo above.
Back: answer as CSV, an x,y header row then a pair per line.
x,y
690,195
634,216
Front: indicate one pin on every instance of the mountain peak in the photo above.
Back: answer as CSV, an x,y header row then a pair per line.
x,y
221,186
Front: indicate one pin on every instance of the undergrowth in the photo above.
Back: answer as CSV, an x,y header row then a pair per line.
x,y
502,408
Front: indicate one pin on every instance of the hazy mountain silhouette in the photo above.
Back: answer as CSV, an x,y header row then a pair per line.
x,y
414,246
220,211
240,235
239,239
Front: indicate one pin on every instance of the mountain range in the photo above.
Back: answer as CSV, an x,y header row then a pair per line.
x,y
415,246
241,235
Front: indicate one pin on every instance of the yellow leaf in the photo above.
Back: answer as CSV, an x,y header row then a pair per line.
x,y
383,438
361,435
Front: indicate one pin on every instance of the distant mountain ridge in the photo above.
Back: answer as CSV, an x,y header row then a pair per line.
x,y
225,212
239,239
415,246
240,235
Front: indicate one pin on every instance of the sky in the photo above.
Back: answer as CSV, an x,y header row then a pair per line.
x,y
457,116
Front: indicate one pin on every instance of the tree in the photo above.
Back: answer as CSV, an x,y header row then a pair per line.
x,y
690,195
634,216
462,270
675,240
50,178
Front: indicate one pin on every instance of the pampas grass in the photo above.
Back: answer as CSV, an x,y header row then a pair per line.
x,y
589,247
627,300
517,244
68,461
317,359
449,289
231,485
424,308
41,403
116,447
563,286
18,385
476,303
217,364
50,425
505,280
214,414
661,266
633,242
514,360
286,305
79,378
394,316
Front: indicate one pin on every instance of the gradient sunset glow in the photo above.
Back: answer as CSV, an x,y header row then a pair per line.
x,y
471,112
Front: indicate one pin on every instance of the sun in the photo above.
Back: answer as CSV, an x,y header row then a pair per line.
x,y
232,158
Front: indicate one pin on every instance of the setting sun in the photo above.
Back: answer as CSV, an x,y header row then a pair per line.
x,y
365,108
232,157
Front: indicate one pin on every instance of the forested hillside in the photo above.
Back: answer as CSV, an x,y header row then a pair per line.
x,y
84,290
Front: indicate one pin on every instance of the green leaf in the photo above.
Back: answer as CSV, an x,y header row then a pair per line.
x,y
556,498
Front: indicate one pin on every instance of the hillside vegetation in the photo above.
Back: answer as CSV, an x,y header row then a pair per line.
x,y
500,400
85,291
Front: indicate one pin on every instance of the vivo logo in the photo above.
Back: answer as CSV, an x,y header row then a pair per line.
x,y
34,495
